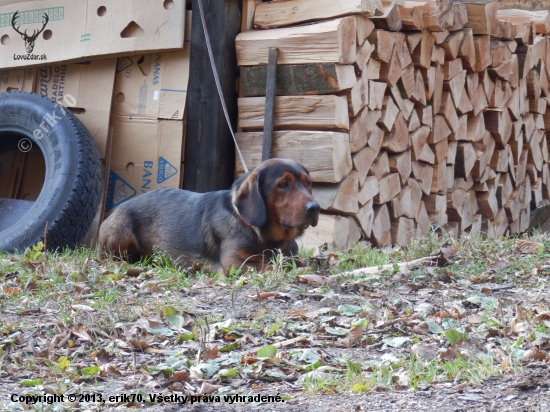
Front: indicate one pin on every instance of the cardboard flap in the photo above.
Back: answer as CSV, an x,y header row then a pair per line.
x,y
80,29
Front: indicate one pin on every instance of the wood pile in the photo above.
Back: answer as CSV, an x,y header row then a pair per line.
x,y
408,114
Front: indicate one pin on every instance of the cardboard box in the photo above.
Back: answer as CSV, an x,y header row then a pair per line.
x,y
11,165
22,174
86,89
21,79
146,155
85,28
154,86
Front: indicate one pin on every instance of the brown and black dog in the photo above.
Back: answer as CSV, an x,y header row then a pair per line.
x,y
265,210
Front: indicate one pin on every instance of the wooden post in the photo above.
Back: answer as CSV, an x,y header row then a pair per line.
x,y
209,149
271,86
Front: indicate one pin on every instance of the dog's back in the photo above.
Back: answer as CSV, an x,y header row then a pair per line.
x,y
170,220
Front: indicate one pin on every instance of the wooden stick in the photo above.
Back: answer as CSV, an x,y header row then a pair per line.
x,y
271,85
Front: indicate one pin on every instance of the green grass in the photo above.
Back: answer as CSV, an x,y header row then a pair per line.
x,y
58,281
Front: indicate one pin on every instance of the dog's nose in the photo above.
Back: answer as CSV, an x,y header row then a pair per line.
x,y
312,208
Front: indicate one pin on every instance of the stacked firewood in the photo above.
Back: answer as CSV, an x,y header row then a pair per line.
x,y
407,114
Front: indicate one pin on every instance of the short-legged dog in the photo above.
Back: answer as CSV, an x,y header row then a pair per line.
x,y
265,210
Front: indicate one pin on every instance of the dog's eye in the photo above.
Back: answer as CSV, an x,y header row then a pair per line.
x,y
283,185
308,184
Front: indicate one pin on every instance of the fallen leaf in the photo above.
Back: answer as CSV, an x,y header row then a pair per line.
x,y
82,308
460,386
353,336
542,316
533,354
422,328
134,272
408,288
448,355
527,246
207,388
424,307
268,295
505,364
212,353
314,280
180,375
10,291
424,351
396,342
81,332
138,344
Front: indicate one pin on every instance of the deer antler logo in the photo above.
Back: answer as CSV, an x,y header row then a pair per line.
x,y
29,40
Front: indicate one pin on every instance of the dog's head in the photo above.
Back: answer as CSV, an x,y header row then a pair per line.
x,y
276,195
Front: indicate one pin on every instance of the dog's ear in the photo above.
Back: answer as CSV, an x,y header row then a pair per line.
x,y
248,200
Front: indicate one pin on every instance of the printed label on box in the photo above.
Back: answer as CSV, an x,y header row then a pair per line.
x,y
166,170
118,191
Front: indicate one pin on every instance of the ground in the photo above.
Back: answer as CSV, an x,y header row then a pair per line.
x,y
464,326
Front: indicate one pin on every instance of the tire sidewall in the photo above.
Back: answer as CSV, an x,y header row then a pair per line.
x,y
29,116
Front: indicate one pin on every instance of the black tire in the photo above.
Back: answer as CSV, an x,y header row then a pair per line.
x,y
72,186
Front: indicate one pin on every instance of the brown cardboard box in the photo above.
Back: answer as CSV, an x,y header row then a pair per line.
x,y
11,165
146,156
85,28
154,86
86,88
21,79
32,178
22,174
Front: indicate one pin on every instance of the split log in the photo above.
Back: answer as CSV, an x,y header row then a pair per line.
x,y
412,15
366,218
296,112
340,197
370,188
381,166
381,226
362,161
337,38
299,79
325,154
338,232
278,14
482,16
436,206
390,19
402,231
389,188
540,18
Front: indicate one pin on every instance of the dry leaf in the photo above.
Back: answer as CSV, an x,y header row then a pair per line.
x,y
212,353
353,336
448,355
422,328
527,246
542,316
207,388
408,288
460,386
533,354
138,344
268,295
180,375
82,308
81,332
424,351
10,291
314,280
134,272
505,365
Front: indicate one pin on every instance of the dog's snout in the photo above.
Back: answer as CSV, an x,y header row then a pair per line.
x,y
312,208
